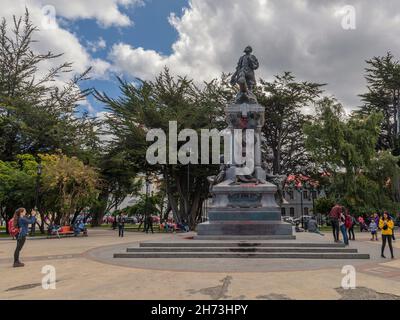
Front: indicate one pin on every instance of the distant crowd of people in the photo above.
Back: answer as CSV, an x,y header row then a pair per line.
x,y
343,223
168,225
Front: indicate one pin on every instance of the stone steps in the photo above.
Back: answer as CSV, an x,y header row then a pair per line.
x,y
239,255
241,250
208,244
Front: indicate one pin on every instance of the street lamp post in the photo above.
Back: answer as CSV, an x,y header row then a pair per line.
x,y
39,173
301,206
188,184
313,193
147,196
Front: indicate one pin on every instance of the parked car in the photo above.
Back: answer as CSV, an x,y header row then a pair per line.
x,y
288,219
299,220
132,220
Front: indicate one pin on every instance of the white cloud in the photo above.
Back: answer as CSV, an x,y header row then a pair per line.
x,y
105,12
302,36
88,106
95,46
60,40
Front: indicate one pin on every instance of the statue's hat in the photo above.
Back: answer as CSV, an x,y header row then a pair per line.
x,y
248,49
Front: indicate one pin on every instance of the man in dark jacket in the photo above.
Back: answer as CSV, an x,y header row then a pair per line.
x,y
149,223
121,225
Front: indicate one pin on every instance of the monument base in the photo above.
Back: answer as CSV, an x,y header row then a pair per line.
x,y
245,228
244,212
245,238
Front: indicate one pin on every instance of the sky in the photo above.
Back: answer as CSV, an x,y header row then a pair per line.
x,y
325,41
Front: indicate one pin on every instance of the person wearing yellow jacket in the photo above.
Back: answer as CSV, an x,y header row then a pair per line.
x,y
386,224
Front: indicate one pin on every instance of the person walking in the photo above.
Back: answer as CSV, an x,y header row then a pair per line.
x,y
334,216
141,221
373,227
149,223
342,226
386,225
376,218
351,229
121,225
22,222
362,224
349,222
114,223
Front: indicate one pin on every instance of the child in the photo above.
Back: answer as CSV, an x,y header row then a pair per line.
x,y
373,227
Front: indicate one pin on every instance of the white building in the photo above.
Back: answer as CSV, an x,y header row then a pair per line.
x,y
295,199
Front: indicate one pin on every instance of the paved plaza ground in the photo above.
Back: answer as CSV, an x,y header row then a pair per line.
x,y
85,269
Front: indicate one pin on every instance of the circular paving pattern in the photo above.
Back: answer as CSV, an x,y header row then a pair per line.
x,y
105,255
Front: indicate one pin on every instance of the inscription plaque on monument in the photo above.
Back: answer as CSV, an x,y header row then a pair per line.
x,y
244,200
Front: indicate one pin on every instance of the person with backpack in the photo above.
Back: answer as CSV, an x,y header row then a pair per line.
x,y
20,228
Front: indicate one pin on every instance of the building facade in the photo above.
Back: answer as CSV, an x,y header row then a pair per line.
x,y
294,200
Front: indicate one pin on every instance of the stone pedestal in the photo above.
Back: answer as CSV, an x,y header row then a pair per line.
x,y
238,209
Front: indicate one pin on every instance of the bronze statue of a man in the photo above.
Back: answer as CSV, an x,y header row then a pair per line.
x,y
244,75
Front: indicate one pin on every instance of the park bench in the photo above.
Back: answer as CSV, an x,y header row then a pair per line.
x,y
65,231
176,228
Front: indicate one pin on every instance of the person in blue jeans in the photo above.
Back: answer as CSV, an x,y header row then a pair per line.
x,y
23,223
342,227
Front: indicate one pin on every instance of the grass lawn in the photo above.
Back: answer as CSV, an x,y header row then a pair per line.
x,y
37,233
109,226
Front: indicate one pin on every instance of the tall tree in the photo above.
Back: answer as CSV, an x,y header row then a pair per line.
x,y
383,79
344,149
284,100
153,104
17,185
69,184
38,112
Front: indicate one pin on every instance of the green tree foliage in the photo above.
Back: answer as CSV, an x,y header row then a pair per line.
x,y
324,205
284,99
17,184
383,78
344,148
66,186
145,205
152,104
69,184
119,180
38,112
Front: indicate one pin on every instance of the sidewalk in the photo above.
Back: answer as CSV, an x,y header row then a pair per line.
x,y
82,275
